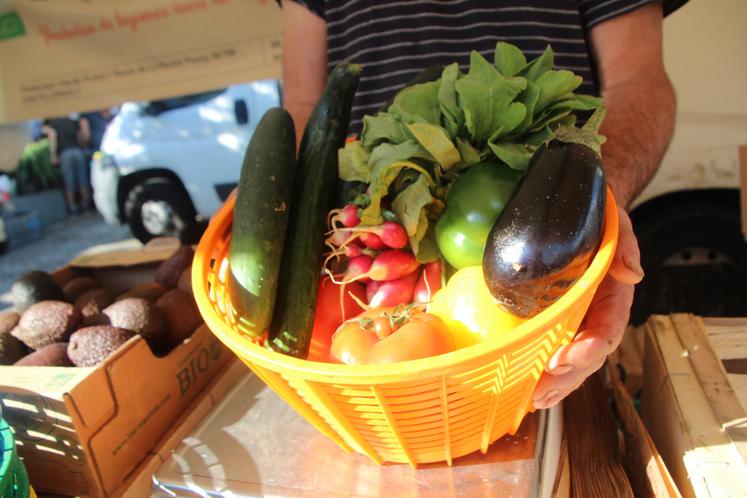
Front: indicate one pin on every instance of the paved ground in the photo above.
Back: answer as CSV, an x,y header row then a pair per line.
x,y
61,242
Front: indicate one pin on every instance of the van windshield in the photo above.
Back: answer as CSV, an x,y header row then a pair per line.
x,y
163,105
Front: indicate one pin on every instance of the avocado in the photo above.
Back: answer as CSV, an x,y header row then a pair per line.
x,y
168,272
8,320
33,287
149,290
181,314
137,315
91,303
46,322
51,355
90,346
78,286
185,280
11,349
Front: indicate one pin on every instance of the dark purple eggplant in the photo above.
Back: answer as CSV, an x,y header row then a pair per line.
x,y
549,231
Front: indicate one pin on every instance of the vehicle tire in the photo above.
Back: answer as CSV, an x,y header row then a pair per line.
x,y
159,207
694,256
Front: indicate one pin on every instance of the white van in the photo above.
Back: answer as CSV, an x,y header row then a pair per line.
x,y
165,166
688,220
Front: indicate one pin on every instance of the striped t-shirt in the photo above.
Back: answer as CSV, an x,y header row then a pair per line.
x,y
394,40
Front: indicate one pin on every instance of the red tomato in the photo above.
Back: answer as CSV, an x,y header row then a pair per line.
x,y
366,338
382,327
332,309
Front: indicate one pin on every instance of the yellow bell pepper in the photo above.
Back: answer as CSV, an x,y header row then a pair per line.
x,y
469,311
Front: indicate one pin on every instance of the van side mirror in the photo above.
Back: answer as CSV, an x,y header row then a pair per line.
x,y
241,111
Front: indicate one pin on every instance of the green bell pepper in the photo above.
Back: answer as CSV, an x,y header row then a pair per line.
x,y
474,202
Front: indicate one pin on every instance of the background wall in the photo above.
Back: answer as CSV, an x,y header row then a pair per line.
x,y
704,53
704,50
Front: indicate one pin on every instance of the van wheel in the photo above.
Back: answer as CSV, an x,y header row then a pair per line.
x,y
160,208
695,260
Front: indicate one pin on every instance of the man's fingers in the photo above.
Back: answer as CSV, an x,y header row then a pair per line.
x,y
551,389
604,327
590,348
581,358
626,264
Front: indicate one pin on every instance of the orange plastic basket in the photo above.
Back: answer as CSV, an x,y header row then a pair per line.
x,y
428,410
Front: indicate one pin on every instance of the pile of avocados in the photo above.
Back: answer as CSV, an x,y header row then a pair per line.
x,y
80,323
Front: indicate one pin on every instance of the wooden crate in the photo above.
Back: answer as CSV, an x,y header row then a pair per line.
x,y
690,404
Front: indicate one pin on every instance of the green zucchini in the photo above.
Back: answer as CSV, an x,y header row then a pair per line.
x,y
290,331
260,219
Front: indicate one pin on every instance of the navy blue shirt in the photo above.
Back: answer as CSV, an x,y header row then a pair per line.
x,y
395,40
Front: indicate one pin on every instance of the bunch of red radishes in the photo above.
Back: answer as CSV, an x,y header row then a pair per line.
x,y
379,257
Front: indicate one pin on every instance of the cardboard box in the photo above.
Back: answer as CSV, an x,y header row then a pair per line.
x,y
83,431
140,482
691,409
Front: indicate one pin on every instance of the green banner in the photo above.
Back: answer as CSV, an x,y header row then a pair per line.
x,y
11,26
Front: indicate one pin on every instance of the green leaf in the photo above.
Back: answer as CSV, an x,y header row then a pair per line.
x,y
469,154
485,96
409,204
426,249
517,156
378,189
509,59
411,209
383,128
447,99
386,153
577,103
452,128
555,84
529,98
404,179
539,137
418,104
436,141
511,119
539,66
385,168
565,121
353,163
550,119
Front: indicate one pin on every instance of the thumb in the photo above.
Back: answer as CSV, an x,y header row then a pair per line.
x,y
626,264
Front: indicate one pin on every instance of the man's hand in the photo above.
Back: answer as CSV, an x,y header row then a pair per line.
x,y
603,326
639,123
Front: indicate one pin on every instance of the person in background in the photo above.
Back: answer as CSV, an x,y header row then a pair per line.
x,y
615,45
97,123
67,138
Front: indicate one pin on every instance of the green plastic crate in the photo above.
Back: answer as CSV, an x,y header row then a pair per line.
x,y
14,481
